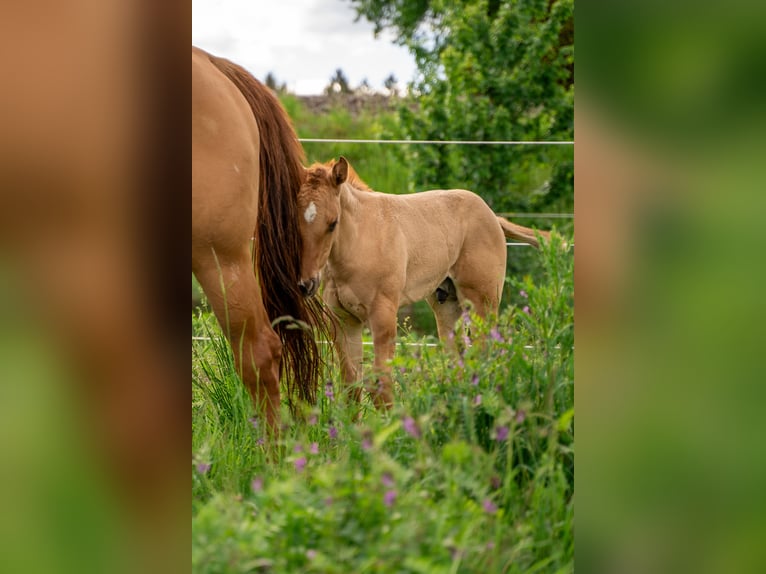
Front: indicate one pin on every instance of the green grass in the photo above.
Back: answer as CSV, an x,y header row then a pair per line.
x,y
472,471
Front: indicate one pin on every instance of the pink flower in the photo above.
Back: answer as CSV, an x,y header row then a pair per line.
x,y
387,480
477,400
311,553
203,467
526,309
502,434
314,448
475,379
495,334
411,427
489,506
257,484
300,464
389,497
523,294
333,432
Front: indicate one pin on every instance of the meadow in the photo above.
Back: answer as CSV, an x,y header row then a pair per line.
x,y
472,471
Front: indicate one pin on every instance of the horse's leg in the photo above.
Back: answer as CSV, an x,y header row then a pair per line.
x,y
383,327
447,314
483,298
235,296
348,344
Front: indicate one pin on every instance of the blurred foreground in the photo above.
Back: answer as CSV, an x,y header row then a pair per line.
x,y
669,179
94,391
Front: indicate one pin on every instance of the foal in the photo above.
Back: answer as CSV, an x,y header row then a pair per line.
x,y
382,251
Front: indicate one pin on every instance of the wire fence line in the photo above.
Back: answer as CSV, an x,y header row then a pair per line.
x,y
365,343
433,142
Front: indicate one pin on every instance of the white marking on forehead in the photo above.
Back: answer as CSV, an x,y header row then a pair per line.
x,y
311,212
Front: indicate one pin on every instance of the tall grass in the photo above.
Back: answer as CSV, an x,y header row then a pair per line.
x,y
472,471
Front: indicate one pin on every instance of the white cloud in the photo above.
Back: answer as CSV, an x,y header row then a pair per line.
x,y
302,42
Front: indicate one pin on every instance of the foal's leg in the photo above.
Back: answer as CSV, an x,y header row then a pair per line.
x,y
383,327
348,344
233,291
447,314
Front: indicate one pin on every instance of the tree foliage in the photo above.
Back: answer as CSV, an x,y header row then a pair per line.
x,y
338,84
488,70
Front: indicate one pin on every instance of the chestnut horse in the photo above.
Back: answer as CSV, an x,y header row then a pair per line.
x,y
247,168
381,251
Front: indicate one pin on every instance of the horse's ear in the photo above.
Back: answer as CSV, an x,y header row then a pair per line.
x,y
340,171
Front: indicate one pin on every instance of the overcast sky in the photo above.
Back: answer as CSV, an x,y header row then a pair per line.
x,y
302,42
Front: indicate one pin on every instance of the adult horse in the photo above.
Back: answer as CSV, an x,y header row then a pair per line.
x,y
247,168
382,251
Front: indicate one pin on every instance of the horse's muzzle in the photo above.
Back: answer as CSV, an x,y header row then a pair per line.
x,y
309,287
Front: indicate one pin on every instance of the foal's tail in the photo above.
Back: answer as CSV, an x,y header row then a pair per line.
x,y
278,240
521,233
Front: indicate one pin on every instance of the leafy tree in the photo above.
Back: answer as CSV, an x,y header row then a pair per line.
x,y
392,85
338,84
489,70
271,81
364,88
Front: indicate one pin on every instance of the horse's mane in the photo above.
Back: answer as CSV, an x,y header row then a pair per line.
x,y
278,245
356,181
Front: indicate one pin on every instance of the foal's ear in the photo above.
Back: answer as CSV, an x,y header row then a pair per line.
x,y
340,171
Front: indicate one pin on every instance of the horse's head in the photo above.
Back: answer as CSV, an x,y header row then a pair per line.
x,y
319,208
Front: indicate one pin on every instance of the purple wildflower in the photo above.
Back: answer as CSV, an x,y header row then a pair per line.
x,y
387,480
495,334
260,441
466,340
477,400
502,433
300,464
328,391
333,432
203,467
313,419
475,379
520,416
311,553
257,484
411,427
489,506
314,448
254,422
523,294
526,309
297,448
389,497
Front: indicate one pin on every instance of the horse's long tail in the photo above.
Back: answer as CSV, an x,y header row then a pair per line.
x,y
278,239
521,233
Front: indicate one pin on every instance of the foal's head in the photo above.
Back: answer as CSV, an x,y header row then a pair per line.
x,y
319,208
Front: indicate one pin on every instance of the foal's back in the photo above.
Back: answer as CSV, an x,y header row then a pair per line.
x,y
439,234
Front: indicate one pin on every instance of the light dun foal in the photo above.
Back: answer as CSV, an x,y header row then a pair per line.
x,y
380,251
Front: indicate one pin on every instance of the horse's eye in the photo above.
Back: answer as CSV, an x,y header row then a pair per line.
x,y
332,225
